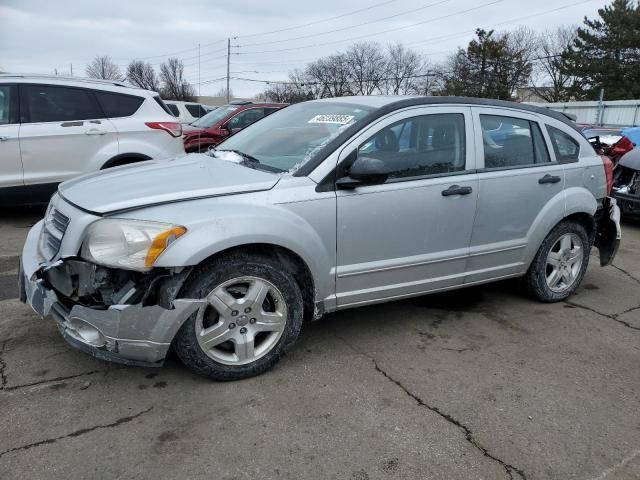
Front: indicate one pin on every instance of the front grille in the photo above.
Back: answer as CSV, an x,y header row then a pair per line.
x,y
55,225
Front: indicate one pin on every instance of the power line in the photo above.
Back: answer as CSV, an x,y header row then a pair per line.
x,y
317,21
493,2
506,22
424,7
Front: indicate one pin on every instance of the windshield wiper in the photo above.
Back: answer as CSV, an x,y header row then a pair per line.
x,y
246,156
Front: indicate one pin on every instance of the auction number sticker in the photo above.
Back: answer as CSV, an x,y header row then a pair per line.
x,y
335,119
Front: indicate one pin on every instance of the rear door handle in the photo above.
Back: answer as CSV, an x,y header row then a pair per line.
x,y
549,179
4,139
456,190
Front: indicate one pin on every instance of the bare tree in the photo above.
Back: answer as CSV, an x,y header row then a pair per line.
x,y
223,92
404,69
522,46
104,68
368,65
333,74
551,81
143,75
175,87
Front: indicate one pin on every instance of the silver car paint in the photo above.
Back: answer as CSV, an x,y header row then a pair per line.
x,y
363,246
163,181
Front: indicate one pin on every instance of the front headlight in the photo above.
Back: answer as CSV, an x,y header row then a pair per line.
x,y
128,244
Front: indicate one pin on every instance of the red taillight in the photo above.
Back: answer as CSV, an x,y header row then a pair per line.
x,y
172,128
608,172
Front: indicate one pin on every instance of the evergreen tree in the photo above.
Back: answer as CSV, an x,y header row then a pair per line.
x,y
606,54
492,66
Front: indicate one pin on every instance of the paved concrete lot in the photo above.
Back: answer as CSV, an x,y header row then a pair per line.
x,y
481,384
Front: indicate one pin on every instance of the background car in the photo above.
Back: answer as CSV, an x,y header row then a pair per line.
x,y
608,136
53,129
223,122
188,112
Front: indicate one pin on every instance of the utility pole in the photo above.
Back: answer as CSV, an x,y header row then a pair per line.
x,y
71,68
599,115
228,65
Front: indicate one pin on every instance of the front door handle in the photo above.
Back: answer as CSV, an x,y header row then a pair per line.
x,y
95,131
456,190
549,179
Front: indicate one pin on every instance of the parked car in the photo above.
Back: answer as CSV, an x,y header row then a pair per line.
x,y
53,129
626,183
188,112
607,136
322,206
223,122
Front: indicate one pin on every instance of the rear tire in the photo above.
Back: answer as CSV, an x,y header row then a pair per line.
x,y
560,263
253,316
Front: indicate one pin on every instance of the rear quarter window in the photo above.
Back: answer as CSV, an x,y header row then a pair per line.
x,y
117,104
567,148
163,105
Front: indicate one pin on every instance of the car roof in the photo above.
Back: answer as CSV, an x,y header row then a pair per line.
x,y
396,102
108,85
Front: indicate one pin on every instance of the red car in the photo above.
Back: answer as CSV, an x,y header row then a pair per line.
x,y
223,122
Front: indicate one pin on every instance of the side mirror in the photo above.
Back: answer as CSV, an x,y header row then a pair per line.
x,y
364,171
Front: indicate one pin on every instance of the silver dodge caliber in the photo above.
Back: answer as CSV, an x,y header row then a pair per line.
x,y
321,206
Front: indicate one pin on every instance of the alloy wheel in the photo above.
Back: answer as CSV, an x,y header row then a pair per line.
x,y
243,320
564,262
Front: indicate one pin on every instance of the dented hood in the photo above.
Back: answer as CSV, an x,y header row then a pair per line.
x,y
163,181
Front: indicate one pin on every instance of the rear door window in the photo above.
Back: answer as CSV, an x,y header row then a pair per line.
x,y
59,104
117,104
512,142
567,149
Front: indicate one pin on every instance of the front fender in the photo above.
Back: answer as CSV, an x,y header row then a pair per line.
x,y
247,223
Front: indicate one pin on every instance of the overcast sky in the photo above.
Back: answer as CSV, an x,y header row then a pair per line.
x,y
39,36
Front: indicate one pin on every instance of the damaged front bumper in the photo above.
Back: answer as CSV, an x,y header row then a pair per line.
x,y
133,334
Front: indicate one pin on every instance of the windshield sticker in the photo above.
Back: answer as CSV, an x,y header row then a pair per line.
x,y
335,119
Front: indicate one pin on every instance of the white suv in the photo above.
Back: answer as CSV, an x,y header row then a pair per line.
x,y
187,112
53,129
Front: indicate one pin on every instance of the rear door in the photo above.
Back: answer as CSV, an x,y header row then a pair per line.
x,y
519,180
64,134
11,176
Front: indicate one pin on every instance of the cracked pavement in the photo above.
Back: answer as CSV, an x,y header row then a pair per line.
x,y
480,383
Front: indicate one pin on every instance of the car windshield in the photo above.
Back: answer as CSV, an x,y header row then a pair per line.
x,y
215,116
291,136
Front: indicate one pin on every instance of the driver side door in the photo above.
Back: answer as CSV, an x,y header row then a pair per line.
x,y
411,234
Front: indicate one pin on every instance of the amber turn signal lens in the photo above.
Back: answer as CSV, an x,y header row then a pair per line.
x,y
161,242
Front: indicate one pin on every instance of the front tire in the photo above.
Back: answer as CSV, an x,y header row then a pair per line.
x,y
560,264
254,313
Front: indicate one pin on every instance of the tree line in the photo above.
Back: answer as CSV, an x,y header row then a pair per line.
x,y
170,83
568,63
